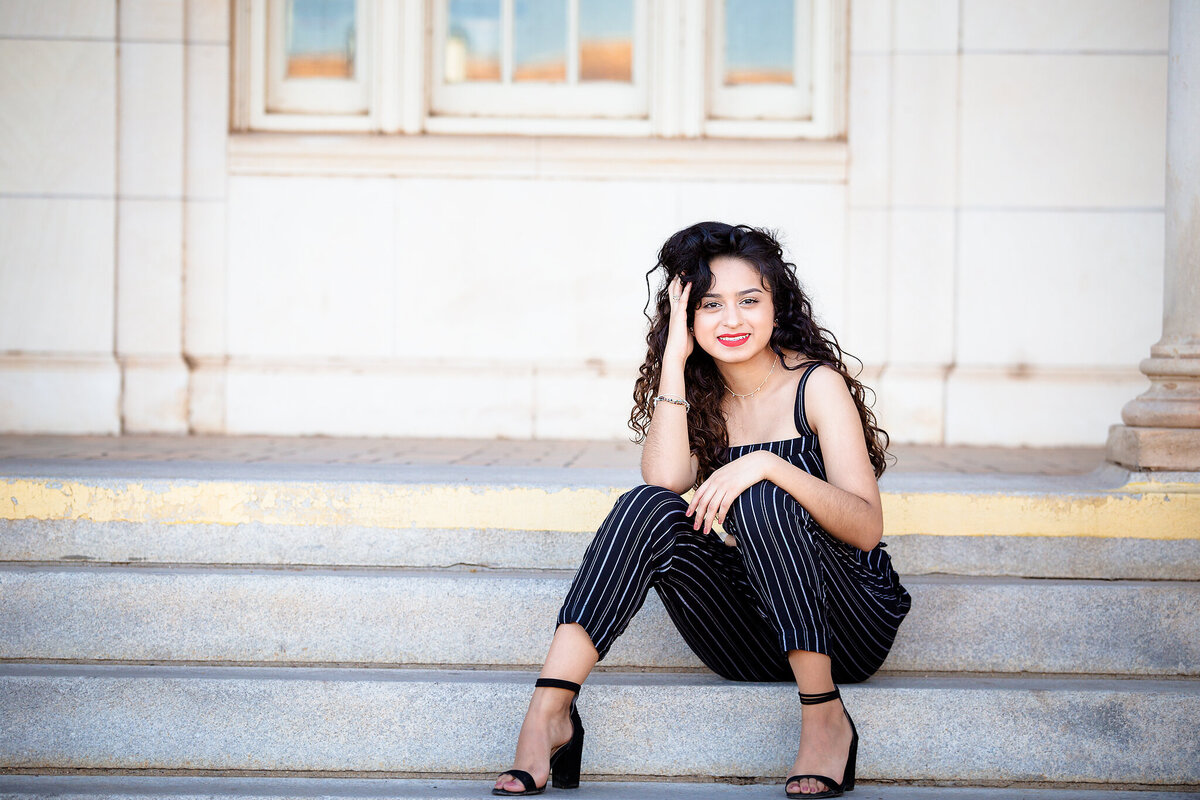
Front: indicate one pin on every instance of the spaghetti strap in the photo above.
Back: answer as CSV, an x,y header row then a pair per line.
x,y
801,418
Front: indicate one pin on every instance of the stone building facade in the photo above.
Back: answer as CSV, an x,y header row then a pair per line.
x,y
972,191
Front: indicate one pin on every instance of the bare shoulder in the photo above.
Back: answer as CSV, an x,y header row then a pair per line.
x,y
828,378
827,398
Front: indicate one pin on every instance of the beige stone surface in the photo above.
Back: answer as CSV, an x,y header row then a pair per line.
x,y
87,19
149,277
869,136
206,399
597,401
208,21
1056,25
924,133
926,26
64,395
207,120
1154,448
58,121
402,400
154,396
1058,287
1063,130
870,26
56,278
204,279
920,289
552,453
311,271
1037,407
865,333
151,120
911,403
157,20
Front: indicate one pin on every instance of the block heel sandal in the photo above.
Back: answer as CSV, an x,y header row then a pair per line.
x,y
564,760
835,789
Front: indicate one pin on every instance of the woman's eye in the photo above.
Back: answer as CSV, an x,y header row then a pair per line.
x,y
750,301
710,304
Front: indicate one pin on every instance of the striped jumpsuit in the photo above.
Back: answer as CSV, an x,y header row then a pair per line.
x,y
787,585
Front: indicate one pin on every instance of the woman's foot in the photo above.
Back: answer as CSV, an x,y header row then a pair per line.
x,y
547,726
825,735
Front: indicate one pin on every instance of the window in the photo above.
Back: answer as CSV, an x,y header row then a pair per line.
x,y
314,57
627,68
539,58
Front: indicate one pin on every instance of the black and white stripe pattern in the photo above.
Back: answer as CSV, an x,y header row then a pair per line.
x,y
788,585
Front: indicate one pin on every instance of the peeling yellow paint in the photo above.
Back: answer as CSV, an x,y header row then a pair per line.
x,y
1158,515
1145,511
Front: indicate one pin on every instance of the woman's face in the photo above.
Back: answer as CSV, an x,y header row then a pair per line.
x,y
734,319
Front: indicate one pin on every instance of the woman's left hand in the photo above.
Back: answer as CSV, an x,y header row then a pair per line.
x,y
714,497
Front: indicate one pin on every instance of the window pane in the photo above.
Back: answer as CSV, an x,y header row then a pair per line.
x,y
606,40
320,39
540,40
759,41
473,41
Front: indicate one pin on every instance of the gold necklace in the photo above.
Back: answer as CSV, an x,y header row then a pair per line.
x,y
764,382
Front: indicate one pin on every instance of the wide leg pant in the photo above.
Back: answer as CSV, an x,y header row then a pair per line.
x,y
788,585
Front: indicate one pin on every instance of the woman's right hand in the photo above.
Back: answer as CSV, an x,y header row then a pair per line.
x,y
679,338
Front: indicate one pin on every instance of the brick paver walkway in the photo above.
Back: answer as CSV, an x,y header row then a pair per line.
x,y
491,452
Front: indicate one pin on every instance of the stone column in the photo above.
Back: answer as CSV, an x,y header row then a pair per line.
x,y
1162,426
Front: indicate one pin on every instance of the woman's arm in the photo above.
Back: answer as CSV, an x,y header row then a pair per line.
x,y
847,505
667,459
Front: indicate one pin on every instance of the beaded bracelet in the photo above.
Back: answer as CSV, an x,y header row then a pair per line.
x,y
673,400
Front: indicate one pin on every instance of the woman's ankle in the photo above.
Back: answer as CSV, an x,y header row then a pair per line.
x,y
548,703
832,713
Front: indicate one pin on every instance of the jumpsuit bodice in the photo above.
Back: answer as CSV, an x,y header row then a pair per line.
x,y
803,451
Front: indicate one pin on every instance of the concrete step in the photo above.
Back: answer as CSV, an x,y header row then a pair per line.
x,y
1103,525
105,787
971,730
257,543
467,618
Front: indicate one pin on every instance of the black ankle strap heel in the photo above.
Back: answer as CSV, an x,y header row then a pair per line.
x,y
817,699
835,789
555,683
565,759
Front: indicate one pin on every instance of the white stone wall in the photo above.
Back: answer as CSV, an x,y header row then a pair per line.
x,y
992,250
112,135
1005,207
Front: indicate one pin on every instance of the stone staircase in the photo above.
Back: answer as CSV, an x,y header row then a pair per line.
x,y
226,625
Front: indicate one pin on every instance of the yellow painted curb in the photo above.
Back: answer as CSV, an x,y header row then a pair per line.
x,y
1150,511
1147,515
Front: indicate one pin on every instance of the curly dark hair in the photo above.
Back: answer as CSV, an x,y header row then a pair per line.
x,y
688,254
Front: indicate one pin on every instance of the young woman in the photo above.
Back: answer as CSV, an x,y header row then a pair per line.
x,y
745,398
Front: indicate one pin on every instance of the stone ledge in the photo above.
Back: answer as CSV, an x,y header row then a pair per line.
x,y
442,617
130,787
1154,448
913,729
531,499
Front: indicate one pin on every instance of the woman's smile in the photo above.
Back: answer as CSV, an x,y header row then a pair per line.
x,y
733,319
